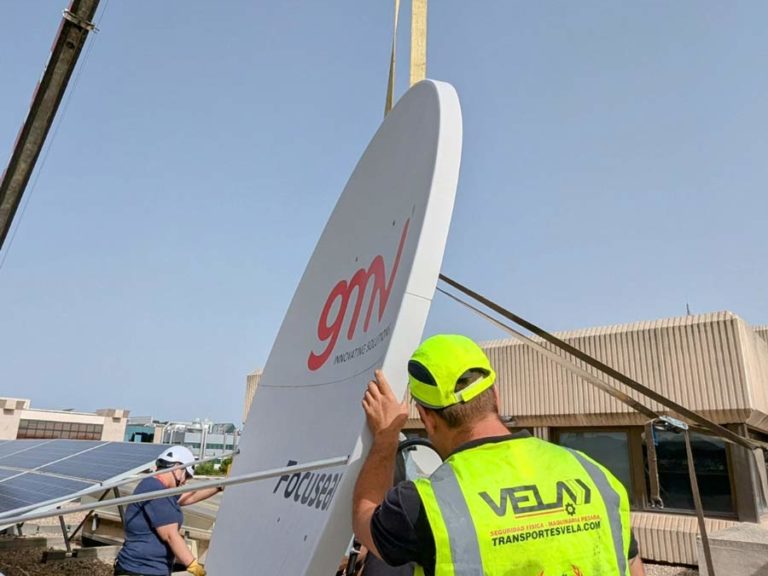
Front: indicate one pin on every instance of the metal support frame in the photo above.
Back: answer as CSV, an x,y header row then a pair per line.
x,y
120,508
102,486
82,523
164,493
64,531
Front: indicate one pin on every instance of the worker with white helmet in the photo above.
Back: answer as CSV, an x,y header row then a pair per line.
x,y
152,538
501,503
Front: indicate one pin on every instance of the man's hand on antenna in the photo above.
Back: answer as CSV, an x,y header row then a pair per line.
x,y
385,414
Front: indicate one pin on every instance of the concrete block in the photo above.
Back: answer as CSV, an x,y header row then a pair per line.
x,y
104,553
22,542
737,551
55,555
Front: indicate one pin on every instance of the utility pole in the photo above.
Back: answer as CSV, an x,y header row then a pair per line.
x,y
76,23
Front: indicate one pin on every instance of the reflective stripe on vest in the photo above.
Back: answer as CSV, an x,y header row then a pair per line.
x,y
462,535
612,505
511,508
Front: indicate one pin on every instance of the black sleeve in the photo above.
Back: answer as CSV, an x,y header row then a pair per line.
x,y
633,548
400,528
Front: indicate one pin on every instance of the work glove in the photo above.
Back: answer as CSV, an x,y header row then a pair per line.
x,y
195,568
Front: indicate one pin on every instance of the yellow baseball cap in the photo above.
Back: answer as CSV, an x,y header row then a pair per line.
x,y
439,363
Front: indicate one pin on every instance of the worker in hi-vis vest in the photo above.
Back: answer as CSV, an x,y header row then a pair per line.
x,y
501,503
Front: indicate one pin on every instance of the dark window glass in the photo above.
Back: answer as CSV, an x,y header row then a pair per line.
x,y
760,478
711,464
611,449
44,429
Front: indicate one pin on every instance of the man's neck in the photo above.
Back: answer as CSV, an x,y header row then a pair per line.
x,y
167,479
488,427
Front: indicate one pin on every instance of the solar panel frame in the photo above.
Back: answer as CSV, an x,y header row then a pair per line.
x,y
40,474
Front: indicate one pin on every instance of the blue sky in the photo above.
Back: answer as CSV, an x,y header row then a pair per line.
x,y
614,169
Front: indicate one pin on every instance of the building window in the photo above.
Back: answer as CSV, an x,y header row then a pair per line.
x,y
711,464
48,429
610,448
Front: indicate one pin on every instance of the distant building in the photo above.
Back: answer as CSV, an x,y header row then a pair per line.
x,y
143,429
19,421
205,439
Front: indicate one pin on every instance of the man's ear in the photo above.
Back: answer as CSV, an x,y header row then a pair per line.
x,y
427,417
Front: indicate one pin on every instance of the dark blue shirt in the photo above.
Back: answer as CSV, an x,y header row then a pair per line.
x,y
143,551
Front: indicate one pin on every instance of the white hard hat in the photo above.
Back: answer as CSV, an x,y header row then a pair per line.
x,y
177,455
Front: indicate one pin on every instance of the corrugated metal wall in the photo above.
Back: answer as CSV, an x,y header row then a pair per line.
x,y
671,537
713,363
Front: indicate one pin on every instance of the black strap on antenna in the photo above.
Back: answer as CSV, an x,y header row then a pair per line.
x,y
711,427
592,379
698,505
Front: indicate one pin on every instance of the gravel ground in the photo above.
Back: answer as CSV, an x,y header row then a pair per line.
x,y
666,570
29,562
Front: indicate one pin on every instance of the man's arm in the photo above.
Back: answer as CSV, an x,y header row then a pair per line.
x,y
636,567
198,495
386,416
170,535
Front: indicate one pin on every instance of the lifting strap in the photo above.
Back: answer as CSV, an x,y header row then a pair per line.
x,y
564,362
711,427
697,504
391,80
418,68
418,41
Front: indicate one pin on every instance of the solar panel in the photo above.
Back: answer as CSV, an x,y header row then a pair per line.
x,y
11,446
106,461
32,457
36,473
30,488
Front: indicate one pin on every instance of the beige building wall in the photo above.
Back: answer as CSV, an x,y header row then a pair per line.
x,y
713,363
9,421
113,421
251,384
693,360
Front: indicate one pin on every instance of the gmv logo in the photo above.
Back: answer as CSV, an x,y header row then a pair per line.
x,y
527,499
328,329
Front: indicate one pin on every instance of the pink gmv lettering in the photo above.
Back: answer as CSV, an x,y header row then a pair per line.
x,y
328,329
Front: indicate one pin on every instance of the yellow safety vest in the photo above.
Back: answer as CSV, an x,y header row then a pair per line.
x,y
525,507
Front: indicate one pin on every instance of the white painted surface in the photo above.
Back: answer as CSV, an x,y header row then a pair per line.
x,y
398,200
421,461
